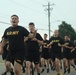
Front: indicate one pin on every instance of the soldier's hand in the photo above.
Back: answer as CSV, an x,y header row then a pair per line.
x,y
31,35
34,39
59,44
25,39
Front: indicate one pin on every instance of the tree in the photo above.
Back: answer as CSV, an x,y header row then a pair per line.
x,y
67,29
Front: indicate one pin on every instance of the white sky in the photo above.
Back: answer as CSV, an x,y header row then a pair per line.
x,y
33,11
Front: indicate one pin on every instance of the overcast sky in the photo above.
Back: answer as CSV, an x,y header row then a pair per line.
x,y
34,11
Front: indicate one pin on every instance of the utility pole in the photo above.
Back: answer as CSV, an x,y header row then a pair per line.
x,y
48,9
49,17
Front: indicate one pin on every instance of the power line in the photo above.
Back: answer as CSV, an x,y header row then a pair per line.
x,y
3,17
3,13
61,12
34,1
19,4
26,27
7,18
20,21
5,22
47,0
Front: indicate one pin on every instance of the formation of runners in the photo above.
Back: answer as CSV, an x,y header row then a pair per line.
x,y
27,50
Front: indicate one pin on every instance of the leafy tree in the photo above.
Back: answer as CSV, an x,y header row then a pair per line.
x,y
67,29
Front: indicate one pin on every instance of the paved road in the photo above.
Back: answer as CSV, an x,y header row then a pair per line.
x,y
2,69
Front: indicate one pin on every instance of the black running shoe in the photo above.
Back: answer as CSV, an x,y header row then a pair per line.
x,y
42,71
12,73
47,70
5,73
68,70
65,70
53,68
73,65
23,70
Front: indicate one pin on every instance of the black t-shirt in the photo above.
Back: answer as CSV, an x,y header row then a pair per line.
x,y
45,49
74,47
69,44
5,48
33,46
15,36
55,46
